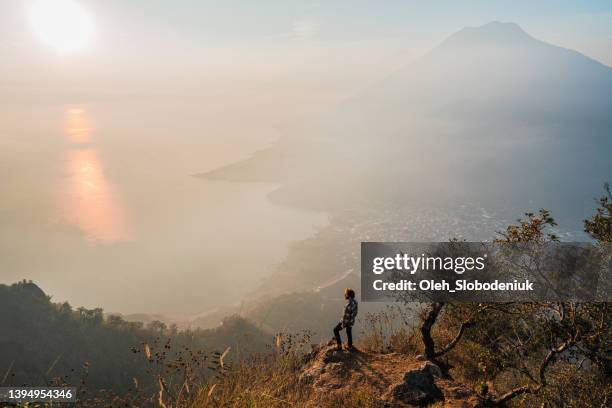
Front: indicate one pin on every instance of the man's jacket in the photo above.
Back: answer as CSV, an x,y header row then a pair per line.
x,y
350,313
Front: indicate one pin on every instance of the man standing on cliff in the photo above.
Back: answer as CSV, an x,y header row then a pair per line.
x,y
348,319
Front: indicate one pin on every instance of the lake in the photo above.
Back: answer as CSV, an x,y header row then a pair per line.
x,y
100,207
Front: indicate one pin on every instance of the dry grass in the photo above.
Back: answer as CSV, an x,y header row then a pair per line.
x,y
390,330
187,378
260,380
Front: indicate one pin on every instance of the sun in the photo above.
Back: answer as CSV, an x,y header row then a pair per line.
x,y
62,24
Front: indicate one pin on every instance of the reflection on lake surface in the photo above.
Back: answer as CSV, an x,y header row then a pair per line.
x,y
78,126
87,198
99,204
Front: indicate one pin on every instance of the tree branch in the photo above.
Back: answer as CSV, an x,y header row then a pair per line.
x,y
466,324
513,393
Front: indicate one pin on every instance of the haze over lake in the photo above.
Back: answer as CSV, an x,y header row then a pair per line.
x,y
410,115
100,206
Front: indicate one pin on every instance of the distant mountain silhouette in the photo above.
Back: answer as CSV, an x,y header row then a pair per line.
x,y
494,33
501,70
491,115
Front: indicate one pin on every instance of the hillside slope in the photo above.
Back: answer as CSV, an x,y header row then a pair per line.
x,y
42,342
390,380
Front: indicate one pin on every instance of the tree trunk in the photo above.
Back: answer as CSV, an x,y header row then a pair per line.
x,y
429,320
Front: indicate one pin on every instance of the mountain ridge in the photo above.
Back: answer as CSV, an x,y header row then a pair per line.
x,y
503,32
474,104
498,63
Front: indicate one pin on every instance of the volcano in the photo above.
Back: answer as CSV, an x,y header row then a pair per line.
x,y
490,117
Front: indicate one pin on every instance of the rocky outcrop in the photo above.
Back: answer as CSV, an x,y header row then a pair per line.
x,y
418,387
391,380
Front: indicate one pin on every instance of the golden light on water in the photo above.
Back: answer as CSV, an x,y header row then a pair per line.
x,y
78,126
89,200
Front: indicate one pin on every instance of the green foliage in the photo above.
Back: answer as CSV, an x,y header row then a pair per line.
x,y
44,342
50,343
599,226
533,228
527,354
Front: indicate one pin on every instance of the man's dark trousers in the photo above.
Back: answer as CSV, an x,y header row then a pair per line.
x,y
349,334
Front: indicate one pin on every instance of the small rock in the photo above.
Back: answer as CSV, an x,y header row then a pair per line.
x,y
418,387
433,369
407,394
418,379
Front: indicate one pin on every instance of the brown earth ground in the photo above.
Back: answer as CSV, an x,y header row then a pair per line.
x,y
343,375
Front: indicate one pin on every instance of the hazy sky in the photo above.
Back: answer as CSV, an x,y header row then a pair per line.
x,y
307,39
166,89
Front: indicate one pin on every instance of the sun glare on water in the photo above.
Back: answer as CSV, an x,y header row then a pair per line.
x,y
87,196
62,24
